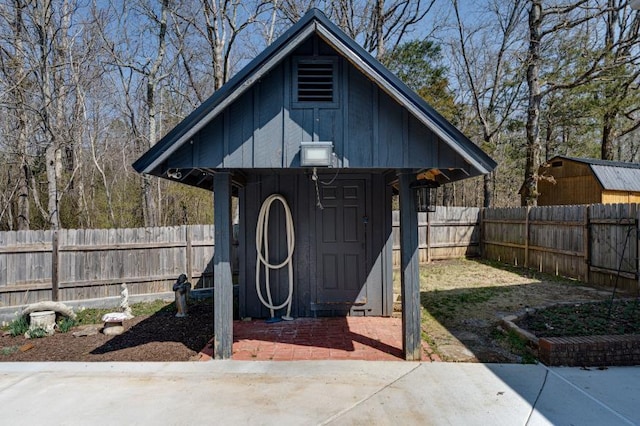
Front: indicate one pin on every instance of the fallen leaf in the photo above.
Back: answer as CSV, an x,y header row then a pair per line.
x,y
26,347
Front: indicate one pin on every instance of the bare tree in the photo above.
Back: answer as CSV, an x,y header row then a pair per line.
x,y
379,26
38,64
620,99
139,51
545,23
15,88
486,53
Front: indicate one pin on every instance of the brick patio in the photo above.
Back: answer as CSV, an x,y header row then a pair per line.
x,y
354,338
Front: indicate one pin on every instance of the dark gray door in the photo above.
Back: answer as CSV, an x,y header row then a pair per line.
x,y
341,244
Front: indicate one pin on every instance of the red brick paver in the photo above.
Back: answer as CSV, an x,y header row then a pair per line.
x,y
354,338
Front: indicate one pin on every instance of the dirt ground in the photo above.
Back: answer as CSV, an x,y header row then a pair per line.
x,y
463,302
158,337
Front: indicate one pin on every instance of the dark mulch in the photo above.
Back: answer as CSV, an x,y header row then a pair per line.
x,y
157,337
586,319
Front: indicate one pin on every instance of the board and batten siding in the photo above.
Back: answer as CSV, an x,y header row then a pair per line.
x,y
298,189
367,127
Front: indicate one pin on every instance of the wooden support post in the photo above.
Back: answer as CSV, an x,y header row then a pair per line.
x,y
410,271
223,285
54,266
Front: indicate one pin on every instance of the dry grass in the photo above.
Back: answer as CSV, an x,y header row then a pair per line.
x,y
464,300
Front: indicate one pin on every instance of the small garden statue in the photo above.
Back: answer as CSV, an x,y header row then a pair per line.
x,y
124,305
181,289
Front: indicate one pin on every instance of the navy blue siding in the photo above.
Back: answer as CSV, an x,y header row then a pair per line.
x,y
268,129
391,130
369,129
360,120
300,195
240,129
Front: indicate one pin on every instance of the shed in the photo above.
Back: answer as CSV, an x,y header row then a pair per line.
x,y
315,88
567,180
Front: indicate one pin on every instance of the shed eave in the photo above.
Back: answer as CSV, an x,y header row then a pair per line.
x,y
314,22
223,103
399,92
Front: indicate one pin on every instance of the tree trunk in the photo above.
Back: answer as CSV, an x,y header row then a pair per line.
x,y
530,188
448,194
608,135
609,116
378,21
151,213
487,186
51,158
22,203
23,212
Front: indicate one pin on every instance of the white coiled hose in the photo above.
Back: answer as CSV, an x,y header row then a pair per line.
x,y
262,250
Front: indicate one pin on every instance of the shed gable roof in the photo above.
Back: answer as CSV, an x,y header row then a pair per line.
x,y
314,22
612,175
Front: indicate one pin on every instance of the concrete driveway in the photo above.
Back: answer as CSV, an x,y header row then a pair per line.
x,y
315,393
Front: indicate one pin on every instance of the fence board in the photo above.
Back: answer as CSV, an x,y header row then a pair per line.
x,y
598,243
504,232
93,263
449,232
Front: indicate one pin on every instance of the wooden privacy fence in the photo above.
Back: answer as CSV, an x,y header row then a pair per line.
x,y
597,244
448,233
85,264
594,243
74,264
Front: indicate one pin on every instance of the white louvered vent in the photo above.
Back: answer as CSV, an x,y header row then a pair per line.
x,y
315,81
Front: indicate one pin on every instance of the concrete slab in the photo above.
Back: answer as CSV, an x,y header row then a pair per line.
x,y
189,393
315,392
455,394
593,396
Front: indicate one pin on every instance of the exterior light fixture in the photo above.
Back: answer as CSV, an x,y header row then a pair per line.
x,y
316,154
422,194
174,174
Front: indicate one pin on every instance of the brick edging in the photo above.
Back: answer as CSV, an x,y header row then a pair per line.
x,y
590,350
618,350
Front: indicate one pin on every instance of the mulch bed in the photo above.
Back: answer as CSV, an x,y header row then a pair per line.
x,y
584,319
157,337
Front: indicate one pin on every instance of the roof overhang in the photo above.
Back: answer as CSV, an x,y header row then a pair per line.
x,y
313,22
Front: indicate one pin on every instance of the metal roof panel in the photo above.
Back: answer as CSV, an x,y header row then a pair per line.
x,y
617,178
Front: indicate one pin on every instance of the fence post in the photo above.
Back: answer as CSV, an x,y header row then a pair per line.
x,y
586,242
428,237
638,245
189,253
526,238
54,266
481,224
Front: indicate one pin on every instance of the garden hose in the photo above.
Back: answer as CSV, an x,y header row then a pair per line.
x,y
262,254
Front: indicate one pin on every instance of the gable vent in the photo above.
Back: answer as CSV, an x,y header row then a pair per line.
x,y
315,81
